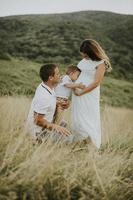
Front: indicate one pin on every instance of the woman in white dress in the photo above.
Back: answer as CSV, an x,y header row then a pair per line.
x,y
85,103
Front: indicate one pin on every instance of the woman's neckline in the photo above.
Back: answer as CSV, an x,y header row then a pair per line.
x,y
87,59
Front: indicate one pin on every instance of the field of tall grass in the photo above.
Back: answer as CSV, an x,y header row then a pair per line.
x,y
52,171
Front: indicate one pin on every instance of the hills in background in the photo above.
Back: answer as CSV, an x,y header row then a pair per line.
x,y
21,77
28,41
57,38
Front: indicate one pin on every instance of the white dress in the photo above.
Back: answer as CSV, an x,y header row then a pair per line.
x,y
86,108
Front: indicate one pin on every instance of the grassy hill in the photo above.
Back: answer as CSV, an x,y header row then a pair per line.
x,y
20,77
57,37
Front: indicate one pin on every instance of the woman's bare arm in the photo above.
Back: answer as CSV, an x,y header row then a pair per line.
x,y
98,79
74,85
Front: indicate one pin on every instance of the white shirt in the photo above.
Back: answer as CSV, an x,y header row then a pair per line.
x,y
61,90
44,102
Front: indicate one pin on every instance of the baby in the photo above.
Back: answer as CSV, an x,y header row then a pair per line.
x,y
64,89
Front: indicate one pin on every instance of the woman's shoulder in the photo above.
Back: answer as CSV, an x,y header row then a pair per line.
x,y
83,61
98,62
95,63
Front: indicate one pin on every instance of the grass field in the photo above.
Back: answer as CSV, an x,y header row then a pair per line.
x,y
21,77
57,172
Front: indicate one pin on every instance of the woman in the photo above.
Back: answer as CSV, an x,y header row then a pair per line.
x,y
85,103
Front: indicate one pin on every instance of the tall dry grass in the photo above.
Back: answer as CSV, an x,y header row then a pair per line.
x,y
56,172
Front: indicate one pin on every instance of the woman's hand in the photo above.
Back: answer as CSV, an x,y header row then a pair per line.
x,y
78,92
81,86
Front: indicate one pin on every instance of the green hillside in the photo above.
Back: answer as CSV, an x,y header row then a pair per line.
x,y
20,77
57,37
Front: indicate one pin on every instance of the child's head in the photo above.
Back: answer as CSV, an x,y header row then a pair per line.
x,y
73,72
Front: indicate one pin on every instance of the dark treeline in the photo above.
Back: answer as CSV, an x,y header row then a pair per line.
x,y
57,37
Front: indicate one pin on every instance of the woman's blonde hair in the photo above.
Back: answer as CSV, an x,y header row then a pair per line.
x,y
95,52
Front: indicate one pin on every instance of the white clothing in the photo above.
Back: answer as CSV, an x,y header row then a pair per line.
x,y
44,102
61,90
85,108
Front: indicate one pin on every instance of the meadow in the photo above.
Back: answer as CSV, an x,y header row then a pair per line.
x,y
54,171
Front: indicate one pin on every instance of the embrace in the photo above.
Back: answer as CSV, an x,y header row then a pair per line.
x,y
82,83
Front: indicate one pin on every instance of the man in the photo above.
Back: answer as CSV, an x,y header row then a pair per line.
x,y
43,108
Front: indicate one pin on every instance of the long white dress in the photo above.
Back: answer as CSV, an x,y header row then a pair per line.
x,y
86,108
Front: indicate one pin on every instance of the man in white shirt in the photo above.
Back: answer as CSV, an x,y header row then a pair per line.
x,y
43,107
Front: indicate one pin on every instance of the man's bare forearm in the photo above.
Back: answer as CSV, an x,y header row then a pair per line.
x,y
41,121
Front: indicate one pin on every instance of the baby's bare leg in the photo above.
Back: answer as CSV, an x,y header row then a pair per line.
x,y
59,111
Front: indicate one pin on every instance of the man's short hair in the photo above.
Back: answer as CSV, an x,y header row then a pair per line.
x,y
72,68
46,71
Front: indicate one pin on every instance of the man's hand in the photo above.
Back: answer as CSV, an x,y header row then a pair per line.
x,y
39,120
60,129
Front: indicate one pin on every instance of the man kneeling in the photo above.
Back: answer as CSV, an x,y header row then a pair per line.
x,y
43,107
